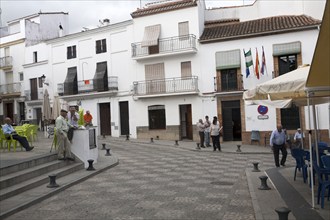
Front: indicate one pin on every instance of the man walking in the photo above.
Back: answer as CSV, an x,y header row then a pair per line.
x,y
62,128
277,142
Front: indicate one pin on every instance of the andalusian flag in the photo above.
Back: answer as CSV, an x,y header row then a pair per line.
x,y
248,62
257,65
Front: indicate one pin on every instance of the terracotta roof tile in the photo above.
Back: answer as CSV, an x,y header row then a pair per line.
x,y
169,6
222,31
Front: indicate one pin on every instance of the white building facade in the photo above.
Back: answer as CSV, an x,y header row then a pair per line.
x,y
154,76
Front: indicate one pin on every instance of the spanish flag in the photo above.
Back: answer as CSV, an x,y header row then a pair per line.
x,y
257,65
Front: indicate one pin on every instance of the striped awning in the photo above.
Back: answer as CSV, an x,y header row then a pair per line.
x,y
151,35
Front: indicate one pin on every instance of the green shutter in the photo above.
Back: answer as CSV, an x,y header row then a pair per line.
x,y
287,48
228,59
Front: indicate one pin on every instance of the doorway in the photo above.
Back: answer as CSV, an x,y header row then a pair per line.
x,y
9,110
231,120
186,129
105,119
124,118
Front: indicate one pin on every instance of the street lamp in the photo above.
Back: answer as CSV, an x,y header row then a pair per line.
x,y
43,78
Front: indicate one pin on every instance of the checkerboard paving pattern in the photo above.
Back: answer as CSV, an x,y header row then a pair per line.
x,y
156,182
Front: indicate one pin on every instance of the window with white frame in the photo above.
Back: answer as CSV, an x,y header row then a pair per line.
x,y
71,52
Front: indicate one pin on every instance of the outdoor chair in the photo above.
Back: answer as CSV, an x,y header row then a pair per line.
x,y
7,141
323,183
255,136
298,155
34,132
326,161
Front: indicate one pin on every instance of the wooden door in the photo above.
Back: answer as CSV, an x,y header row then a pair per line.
x,y
186,129
34,89
124,118
105,118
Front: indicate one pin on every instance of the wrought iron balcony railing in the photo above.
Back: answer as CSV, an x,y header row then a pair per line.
x,y
31,96
165,45
166,86
87,86
227,84
10,89
6,62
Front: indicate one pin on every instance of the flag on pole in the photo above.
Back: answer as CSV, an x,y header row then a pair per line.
x,y
257,67
248,61
263,63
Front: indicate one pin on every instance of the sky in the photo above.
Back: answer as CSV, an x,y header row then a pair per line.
x,y
86,13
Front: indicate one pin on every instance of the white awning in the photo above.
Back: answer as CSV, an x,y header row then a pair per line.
x,y
151,35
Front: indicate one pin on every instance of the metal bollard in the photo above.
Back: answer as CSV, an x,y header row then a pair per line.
x,y
151,140
108,152
52,181
103,146
264,185
90,165
283,213
176,143
157,137
255,167
127,137
238,148
104,136
198,147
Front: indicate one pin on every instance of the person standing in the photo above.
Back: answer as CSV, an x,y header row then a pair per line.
x,y
62,128
298,138
215,134
277,142
88,118
207,125
9,130
73,117
201,129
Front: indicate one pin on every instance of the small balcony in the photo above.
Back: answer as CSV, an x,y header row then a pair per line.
x,y
88,87
166,87
227,83
33,96
11,90
165,47
6,62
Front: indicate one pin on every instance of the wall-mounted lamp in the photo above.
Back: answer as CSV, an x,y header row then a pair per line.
x,y
43,78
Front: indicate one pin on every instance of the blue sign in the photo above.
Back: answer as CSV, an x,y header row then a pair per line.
x,y
262,109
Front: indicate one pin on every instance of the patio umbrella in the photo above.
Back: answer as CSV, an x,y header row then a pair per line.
x,y
56,107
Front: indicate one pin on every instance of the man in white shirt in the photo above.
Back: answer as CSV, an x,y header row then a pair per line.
x,y
73,117
298,138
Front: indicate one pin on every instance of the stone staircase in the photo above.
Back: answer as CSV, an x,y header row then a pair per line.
x,y
25,184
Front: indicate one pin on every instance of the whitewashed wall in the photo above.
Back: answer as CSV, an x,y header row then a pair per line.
x,y
262,8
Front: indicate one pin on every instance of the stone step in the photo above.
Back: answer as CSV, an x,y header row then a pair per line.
x,y
60,168
35,195
29,173
25,164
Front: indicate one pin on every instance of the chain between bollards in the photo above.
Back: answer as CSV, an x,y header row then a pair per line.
x,y
52,181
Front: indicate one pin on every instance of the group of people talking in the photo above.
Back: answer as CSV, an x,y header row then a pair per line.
x,y
209,129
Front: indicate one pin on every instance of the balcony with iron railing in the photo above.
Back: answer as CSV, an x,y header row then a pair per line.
x,y
11,89
6,62
165,87
89,86
35,95
228,84
165,47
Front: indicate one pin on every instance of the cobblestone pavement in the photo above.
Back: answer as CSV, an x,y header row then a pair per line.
x,y
158,182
